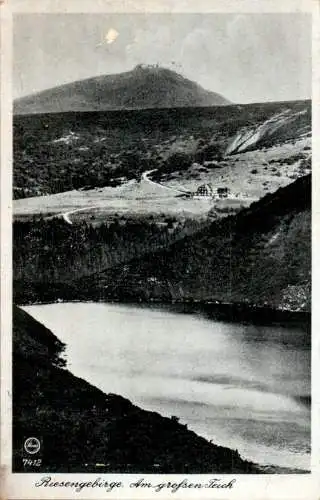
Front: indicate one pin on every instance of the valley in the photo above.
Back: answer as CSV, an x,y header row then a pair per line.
x,y
257,154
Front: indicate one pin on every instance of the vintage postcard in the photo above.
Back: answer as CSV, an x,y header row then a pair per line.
x,y
157,166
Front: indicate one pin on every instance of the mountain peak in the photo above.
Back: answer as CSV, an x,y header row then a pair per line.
x,y
145,86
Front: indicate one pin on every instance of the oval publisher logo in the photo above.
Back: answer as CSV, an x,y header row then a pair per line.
x,y
32,445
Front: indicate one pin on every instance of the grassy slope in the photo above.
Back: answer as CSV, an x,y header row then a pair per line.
x,y
260,256
60,152
79,424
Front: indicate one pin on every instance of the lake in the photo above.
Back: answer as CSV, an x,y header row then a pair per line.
x,y
240,385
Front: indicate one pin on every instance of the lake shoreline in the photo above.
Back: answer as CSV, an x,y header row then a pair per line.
x,y
220,311
128,319
223,453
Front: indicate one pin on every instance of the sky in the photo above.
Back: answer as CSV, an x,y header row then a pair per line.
x,y
244,57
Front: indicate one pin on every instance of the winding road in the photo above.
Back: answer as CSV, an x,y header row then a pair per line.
x,y
144,178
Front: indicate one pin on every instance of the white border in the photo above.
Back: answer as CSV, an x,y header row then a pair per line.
x,y
163,6
262,487
5,240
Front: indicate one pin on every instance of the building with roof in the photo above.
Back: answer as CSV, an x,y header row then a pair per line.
x,y
204,191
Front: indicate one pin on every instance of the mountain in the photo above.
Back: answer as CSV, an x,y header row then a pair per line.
x,y
260,256
79,426
141,88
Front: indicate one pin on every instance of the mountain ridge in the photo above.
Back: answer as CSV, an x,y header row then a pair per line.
x,y
141,88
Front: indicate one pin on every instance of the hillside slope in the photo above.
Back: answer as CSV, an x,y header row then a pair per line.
x,y
261,256
80,426
143,87
57,152
279,128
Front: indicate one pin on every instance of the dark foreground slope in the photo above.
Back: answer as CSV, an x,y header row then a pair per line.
x,y
143,87
80,426
261,256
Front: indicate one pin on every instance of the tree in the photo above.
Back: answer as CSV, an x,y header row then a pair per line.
x,y
209,153
177,161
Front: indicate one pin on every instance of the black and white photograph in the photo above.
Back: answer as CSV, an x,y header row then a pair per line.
x,y
161,244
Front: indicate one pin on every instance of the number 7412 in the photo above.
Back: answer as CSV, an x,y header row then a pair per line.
x,y
33,463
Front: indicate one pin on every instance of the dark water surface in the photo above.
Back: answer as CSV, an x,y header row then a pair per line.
x,y
243,386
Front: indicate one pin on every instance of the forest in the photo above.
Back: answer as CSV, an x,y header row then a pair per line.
x,y
53,255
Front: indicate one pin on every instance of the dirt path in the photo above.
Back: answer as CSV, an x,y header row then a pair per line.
x,y
65,215
144,178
